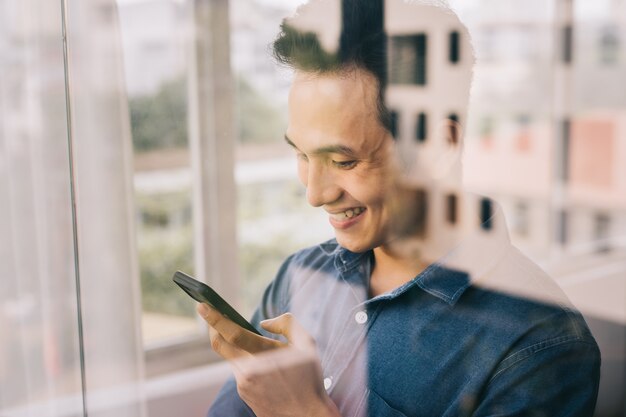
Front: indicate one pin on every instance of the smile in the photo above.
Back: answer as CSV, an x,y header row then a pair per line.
x,y
347,218
348,214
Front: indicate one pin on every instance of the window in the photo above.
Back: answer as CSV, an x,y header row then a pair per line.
x,y
563,227
451,208
602,227
395,123
421,127
567,44
172,169
454,129
609,47
408,59
564,153
454,47
486,213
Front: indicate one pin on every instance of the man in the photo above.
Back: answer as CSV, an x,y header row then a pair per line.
x,y
420,306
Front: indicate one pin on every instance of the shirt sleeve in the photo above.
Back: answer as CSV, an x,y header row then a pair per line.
x,y
274,303
558,377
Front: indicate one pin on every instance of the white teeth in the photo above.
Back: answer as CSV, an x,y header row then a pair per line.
x,y
348,214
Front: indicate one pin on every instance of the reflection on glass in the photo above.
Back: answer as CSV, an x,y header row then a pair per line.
x,y
40,367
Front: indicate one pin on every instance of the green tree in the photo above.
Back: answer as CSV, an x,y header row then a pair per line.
x,y
160,120
258,120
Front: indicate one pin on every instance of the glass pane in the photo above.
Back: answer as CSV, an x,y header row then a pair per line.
x,y
40,369
156,44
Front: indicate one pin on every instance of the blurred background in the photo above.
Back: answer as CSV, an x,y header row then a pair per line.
x,y
138,137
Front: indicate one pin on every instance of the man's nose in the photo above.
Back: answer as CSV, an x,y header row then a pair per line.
x,y
321,186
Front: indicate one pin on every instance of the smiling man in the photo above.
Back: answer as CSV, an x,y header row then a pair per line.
x,y
420,306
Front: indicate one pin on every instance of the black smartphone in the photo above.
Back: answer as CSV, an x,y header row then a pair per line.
x,y
202,293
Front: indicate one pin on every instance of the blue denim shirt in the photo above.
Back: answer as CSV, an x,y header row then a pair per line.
x,y
494,338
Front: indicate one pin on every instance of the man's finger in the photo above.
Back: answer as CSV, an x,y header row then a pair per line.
x,y
223,348
234,334
287,326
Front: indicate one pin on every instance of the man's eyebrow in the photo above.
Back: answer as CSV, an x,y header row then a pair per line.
x,y
340,149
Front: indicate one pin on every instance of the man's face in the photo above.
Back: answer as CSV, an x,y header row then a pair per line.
x,y
343,154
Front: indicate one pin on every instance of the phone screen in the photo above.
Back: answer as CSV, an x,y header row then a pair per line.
x,y
202,293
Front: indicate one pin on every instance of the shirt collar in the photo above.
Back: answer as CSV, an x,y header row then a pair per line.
x,y
447,278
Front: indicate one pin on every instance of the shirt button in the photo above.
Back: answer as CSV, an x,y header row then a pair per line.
x,y
361,317
327,383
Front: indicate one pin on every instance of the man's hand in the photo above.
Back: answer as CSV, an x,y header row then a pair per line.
x,y
273,378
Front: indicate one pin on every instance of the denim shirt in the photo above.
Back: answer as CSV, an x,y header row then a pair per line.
x,y
467,336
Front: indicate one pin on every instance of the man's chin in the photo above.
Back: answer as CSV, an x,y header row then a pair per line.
x,y
352,244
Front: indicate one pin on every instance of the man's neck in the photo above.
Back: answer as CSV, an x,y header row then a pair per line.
x,y
392,270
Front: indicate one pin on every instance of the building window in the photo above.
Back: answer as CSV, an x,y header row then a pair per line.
x,y
454,47
486,213
563,222
609,46
566,128
568,44
454,129
394,122
451,208
421,129
563,169
408,59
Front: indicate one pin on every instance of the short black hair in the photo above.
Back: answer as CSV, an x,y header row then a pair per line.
x,y
362,45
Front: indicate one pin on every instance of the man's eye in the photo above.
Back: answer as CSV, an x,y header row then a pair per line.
x,y
301,157
345,164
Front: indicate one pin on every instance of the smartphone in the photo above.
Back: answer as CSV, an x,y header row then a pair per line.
x,y
202,293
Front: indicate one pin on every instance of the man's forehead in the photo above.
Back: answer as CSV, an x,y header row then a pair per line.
x,y
355,84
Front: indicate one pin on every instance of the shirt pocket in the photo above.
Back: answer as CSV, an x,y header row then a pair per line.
x,y
376,406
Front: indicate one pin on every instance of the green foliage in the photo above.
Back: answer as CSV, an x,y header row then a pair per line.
x,y
258,121
160,255
160,121
165,247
